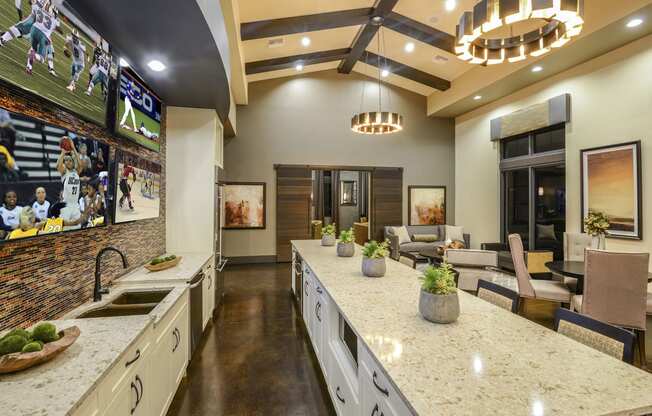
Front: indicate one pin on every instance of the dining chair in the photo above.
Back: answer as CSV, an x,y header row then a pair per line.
x,y
615,291
575,244
601,336
548,290
498,295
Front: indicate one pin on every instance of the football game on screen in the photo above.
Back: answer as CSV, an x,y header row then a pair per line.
x,y
46,49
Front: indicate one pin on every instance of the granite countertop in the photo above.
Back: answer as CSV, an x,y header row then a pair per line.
x,y
57,387
190,264
488,362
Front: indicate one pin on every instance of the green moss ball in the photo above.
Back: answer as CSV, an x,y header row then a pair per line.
x,y
172,257
19,331
12,344
156,261
33,346
45,332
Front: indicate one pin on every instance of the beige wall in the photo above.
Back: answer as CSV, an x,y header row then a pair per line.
x,y
306,120
611,103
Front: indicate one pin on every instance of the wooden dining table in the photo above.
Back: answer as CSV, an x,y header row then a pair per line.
x,y
574,269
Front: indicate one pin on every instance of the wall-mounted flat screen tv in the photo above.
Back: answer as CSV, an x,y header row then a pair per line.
x,y
51,179
47,49
137,188
138,111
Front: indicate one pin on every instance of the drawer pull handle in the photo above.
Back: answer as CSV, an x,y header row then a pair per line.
x,y
210,282
130,362
380,389
133,387
337,394
306,286
177,338
142,389
376,411
317,310
319,290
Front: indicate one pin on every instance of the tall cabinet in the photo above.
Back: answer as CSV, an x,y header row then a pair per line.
x,y
194,149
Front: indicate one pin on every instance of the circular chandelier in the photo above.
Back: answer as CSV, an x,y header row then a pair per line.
x,y
486,36
377,122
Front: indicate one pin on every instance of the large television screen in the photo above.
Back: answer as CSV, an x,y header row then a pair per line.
x,y
138,111
47,49
51,179
137,188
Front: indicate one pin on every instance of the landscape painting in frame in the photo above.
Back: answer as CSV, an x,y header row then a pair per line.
x,y
611,184
427,205
45,48
244,205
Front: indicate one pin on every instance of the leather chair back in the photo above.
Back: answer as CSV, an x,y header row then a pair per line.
x,y
522,275
615,287
575,244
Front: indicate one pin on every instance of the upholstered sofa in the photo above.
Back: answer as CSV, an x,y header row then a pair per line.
x,y
473,265
416,246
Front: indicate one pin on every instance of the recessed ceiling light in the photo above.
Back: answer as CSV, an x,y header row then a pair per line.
x,y
385,72
634,22
450,5
124,63
298,67
477,97
305,41
434,19
156,65
409,47
537,68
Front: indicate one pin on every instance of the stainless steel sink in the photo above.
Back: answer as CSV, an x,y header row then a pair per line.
x,y
128,304
110,311
140,298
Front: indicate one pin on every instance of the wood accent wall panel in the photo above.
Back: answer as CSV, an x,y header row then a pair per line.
x,y
293,188
386,200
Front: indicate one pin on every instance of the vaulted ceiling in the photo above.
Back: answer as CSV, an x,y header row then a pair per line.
x,y
343,37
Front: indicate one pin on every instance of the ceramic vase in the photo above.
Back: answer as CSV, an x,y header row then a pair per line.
x,y
373,267
328,240
441,309
345,249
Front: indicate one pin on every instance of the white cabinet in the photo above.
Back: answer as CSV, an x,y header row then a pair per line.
x,y
169,359
90,406
208,293
319,322
379,398
308,296
132,395
343,389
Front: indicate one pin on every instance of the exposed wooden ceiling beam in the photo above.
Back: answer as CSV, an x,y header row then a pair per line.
x,y
381,9
419,31
286,62
405,71
302,24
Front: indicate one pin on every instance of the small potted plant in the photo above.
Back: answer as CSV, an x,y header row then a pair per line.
x,y
438,301
345,247
373,258
596,225
328,235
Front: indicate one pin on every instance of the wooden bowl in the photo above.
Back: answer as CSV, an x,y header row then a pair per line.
x,y
164,265
19,361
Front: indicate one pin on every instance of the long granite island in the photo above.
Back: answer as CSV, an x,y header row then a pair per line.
x,y
379,357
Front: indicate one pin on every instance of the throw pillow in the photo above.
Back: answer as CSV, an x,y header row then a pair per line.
x,y
425,238
546,231
454,233
402,234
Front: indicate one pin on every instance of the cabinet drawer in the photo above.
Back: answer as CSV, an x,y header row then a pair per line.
x,y
124,368
166,321
374,376
344,394
89,407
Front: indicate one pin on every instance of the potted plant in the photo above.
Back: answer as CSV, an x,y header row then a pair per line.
x,y
438,301
345,247
596,225
373,258
328,235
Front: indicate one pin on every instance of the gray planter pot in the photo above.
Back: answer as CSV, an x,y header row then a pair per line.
x,y
441,309
373,267
328,240
345,249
